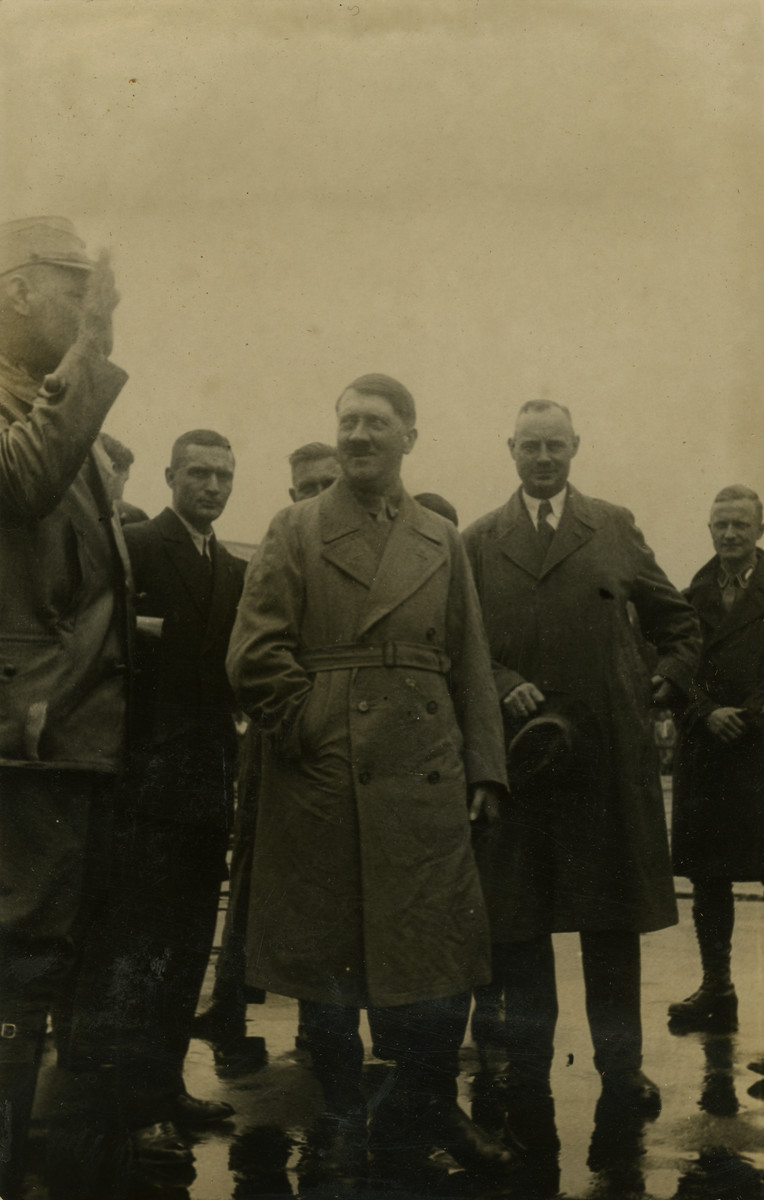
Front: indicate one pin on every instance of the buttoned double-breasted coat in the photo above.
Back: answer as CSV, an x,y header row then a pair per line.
x,y
718,813
590,852
364,884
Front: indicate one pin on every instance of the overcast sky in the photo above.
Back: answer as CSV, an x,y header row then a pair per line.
x,y
489,199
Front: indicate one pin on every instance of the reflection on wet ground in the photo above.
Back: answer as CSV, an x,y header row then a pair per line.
x,y
707,1143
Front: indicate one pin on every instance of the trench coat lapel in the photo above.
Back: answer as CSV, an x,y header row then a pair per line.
x,y
180,549
344,543
414,551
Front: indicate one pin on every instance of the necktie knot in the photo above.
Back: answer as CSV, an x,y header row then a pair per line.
x,y
545,511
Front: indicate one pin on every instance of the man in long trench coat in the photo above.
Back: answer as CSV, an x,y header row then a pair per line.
x,y
359,649
585,848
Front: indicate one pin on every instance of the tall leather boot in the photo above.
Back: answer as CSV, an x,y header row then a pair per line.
x,y
420,1112
713,1007
21,1043
337,1143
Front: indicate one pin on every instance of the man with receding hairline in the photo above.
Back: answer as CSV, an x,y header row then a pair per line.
x,y
718,809
583,846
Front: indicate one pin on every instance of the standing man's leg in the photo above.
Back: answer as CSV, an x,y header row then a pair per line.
x,y
612,976
419,1111
44,819
714,1005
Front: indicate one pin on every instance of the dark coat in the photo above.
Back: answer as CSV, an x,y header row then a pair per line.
x,y
185,680
364,888
718,817
64,624
590,851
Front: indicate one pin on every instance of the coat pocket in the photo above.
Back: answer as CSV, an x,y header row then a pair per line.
x,y
31,670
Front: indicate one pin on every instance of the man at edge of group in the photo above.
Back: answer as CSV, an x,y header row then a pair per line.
x,y
584,847
359,651
178,806
64,632
718,809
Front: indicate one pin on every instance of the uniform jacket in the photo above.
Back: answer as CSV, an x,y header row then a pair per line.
x,y
718,815
64,631
183,679
364,883
591,853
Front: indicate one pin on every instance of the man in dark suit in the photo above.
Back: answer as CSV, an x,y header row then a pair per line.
x,y
585,847
718,814
180,796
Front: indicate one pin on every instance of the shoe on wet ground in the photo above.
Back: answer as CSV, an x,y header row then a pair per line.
x,y
632,1090
711,1009
199,1114
160,1144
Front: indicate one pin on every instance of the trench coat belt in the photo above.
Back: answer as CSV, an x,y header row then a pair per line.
x,y
386,654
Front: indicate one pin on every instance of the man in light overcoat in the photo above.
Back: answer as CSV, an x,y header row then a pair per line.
x,y
359,650
583,846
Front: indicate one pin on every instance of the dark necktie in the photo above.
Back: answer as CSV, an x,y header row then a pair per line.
x,y
543,527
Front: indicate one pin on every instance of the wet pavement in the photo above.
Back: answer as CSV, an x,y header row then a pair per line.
x,y
706,1144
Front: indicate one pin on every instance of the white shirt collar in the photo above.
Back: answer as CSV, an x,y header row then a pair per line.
x,y
202,541
557,502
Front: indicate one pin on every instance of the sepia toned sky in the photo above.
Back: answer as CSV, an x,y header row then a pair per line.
x,y
492,201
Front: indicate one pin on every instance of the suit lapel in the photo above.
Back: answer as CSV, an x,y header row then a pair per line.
x,y
518,539
344,544
414,551
575,529
222,597
182,554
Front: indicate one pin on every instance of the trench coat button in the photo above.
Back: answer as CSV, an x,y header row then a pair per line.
x,y
9,671
433,777
363,705
430,635
53,384
432,706
364,777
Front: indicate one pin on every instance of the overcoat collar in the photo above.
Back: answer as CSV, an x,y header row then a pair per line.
x,y
183,555
415,549
519,540
705,596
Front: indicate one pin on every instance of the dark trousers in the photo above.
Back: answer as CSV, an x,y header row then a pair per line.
x,y
423,1039
53,866
612,977
171,840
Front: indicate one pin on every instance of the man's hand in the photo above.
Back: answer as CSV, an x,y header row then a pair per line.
x,y
726,724
101,298
486,798
524,700
663,691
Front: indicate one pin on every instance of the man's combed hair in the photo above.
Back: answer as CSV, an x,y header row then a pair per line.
x,y
738,491
398,397
196,437
544,406
120,456
311,452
